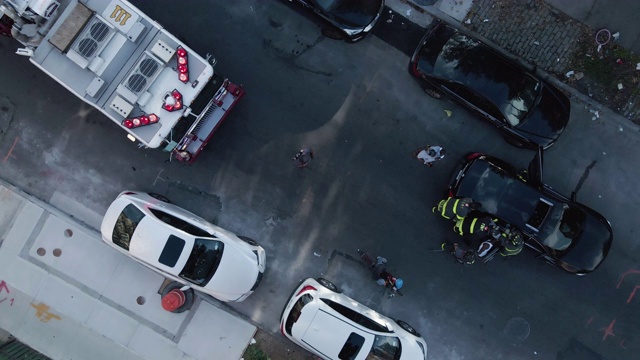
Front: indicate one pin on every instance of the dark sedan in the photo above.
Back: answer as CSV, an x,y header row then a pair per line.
x,y
351,20
565,233
530,111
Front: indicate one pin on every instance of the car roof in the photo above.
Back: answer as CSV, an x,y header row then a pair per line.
x,y
448,54
502,194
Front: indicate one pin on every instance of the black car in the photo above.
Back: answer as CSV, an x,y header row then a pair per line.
x,y
530,111
351,20
565,233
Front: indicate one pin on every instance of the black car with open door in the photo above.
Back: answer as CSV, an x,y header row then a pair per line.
x,y
564,232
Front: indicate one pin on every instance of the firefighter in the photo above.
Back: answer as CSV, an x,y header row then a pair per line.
x,y
455,208
476,226
511,242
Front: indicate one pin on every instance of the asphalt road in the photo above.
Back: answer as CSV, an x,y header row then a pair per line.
x,y
364,115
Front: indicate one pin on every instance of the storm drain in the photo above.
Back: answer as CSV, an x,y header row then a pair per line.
x,y
15,350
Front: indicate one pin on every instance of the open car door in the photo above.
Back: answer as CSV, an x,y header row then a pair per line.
x,y
535,169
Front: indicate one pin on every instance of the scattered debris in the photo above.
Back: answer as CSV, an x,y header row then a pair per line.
x,y
579,75
408,12
620,86
468,22
619,61
620,128
448,112
616,36
596,114
253,341
485,20
536,43
638,66
569,74
316,254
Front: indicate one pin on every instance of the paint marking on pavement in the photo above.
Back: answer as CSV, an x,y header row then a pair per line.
x,y
42,312
3,285
608,331
11,150
632,271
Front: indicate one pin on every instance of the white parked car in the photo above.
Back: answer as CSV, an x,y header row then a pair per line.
x,y
183,247
334,326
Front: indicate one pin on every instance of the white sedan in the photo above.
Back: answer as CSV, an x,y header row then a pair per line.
x,y
334,326
182,246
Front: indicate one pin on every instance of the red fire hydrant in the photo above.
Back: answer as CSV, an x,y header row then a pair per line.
x,y
177,297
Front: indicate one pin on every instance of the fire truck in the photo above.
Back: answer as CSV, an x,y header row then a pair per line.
x,y
121,62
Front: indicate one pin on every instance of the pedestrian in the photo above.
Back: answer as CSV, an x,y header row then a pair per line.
x,y
429,154
303,157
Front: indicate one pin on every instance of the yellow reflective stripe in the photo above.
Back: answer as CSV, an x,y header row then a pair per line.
x,y
473,223
444,208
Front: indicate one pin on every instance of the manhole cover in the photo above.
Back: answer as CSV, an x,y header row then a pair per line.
x,y
517,329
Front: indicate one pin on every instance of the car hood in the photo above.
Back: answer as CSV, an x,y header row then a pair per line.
x,y
548,119
237,272
356,13
592,246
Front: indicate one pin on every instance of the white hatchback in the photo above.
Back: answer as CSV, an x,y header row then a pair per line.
x,y
334,326
182,246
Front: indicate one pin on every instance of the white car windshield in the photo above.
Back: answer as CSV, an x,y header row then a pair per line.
x,y
203,261
385,348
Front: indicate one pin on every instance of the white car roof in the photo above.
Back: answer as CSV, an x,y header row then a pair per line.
x,y
150,239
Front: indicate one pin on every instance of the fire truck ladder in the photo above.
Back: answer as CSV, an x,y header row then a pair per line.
x,y
202,118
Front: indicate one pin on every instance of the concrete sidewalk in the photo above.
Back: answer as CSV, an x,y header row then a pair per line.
x,y
69,296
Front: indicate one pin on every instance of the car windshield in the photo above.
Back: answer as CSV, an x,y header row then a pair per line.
x,y
326,5
126,225
474,65
203,261
385,348
565,231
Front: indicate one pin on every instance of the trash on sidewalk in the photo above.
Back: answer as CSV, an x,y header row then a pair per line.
x,y
569,73
448,112
620,87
